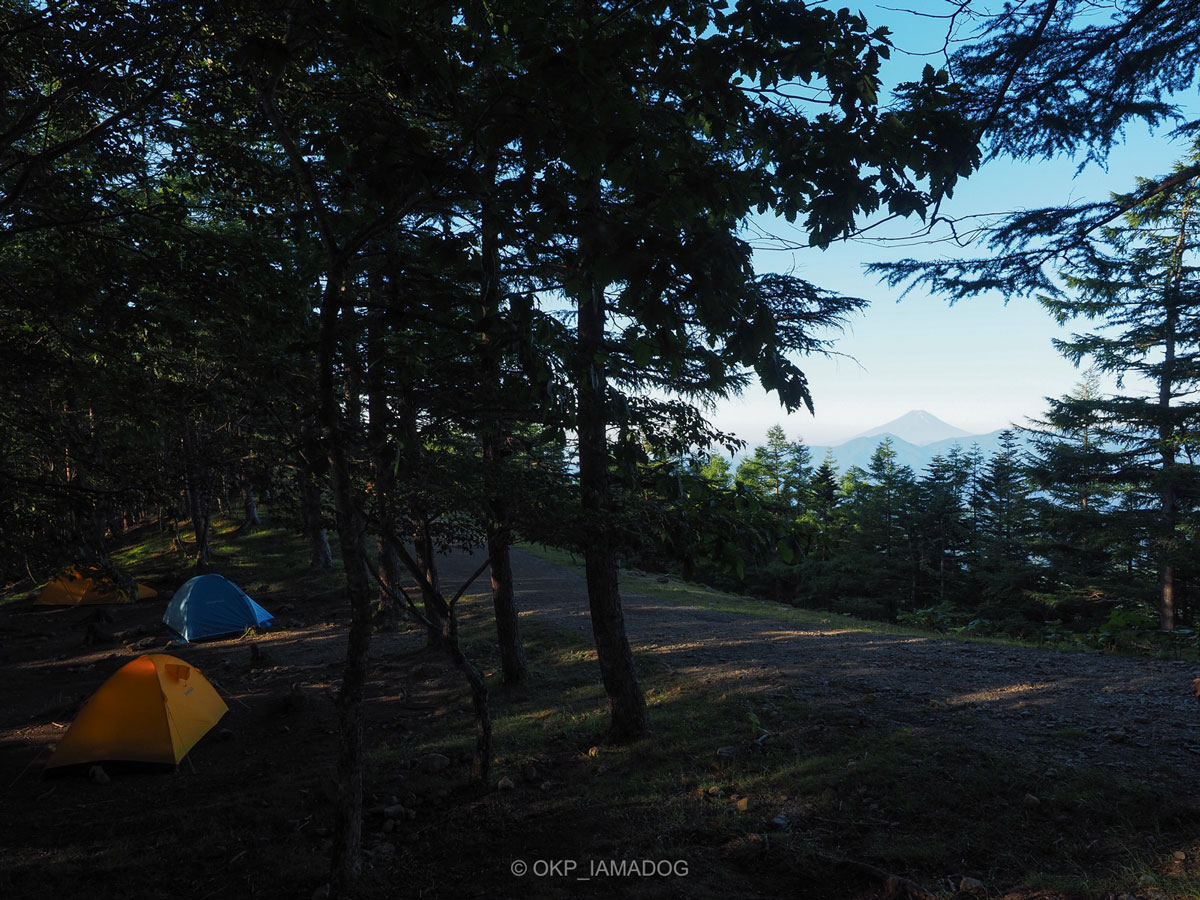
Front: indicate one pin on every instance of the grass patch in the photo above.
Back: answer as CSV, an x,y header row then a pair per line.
x,y
270,559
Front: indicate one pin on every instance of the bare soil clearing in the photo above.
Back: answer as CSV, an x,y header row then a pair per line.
x,y
1139,715
246,815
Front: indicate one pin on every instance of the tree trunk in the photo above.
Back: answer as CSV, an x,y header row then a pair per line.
x,y
250,507
436,613
384,457
481,761
627,705
1166,585
1167,433
347,846
388,612
514,664
346,863
177,537
199,494
942,575
1169,510
319,554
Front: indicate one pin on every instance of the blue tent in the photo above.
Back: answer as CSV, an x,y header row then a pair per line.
x,y
212,605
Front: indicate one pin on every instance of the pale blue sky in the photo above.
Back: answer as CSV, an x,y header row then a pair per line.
x,y
979,365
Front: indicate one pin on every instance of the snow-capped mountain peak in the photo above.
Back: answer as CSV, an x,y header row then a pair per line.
x,y
917,427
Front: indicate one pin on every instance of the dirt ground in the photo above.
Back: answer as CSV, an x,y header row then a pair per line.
x,y
246,815
1141,715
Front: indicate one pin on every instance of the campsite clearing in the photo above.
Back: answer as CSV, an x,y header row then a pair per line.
x,y
798,759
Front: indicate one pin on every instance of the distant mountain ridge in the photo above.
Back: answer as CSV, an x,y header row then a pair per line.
x,y
916,427
917,437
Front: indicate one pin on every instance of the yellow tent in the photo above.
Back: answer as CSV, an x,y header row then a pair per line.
x,y
153,709
74,589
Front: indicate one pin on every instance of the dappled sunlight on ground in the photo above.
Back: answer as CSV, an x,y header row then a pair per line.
x,y
1010,696
1007,692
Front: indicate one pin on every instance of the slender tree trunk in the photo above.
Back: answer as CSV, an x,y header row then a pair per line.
x,y
914,568
177,536
481,760
436,613
434,610
250,507
1166,585
100,527
388,612
1167,433
199,494
384,457
346,861
514,664
942,575
627,704
347,847
319,554
1169,504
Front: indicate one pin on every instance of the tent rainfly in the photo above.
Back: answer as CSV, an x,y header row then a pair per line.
x,y
76,589
151,710
211,606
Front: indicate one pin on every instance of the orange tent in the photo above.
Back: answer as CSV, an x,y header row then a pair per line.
x,y
74,589
153,709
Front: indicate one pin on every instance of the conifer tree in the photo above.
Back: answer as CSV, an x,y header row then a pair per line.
x,y
778,470
1005,522
941,518
1074,470
1138,283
